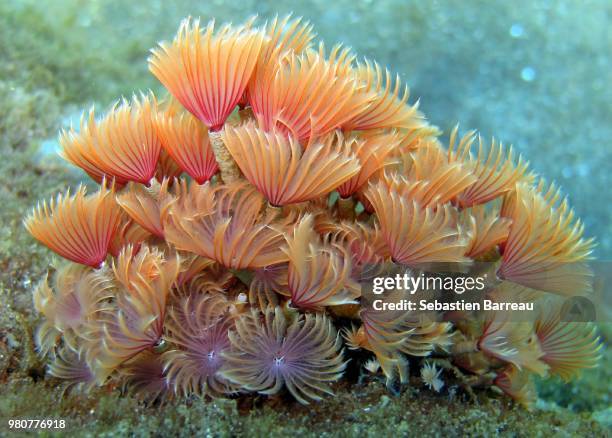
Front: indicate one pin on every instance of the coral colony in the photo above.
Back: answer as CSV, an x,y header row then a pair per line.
x,y
236,217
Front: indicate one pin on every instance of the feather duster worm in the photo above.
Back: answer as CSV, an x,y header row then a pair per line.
x,y
309,95
146,205
76,295
385,344
372,154
366,245
167,167
390,334
568,347
283,173
414,234
207,72
71,367
122,146
387,109
301,353
282,36
486,230
413,139
78,227
198,329
223,224
186,141
143,265
430,375
512,342
192,266
267,282
129,233
496,172
135,320
545,249
435,179
145,376
518,385
318,275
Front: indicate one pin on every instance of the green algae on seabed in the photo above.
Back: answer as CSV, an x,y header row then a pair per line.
x,y
47,66
361,411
